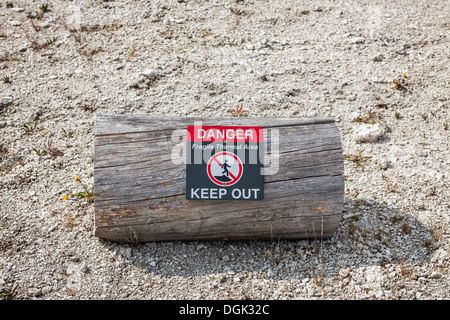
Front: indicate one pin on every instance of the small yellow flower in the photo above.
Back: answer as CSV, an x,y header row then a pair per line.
x,y
77,178
65,197
404,75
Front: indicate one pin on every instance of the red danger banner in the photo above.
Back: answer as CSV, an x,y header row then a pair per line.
x,y
225,134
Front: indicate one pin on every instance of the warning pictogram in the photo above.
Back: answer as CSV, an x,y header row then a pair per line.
x,y
225,169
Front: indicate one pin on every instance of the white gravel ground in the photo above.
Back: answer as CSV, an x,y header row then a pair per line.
x,y
62,65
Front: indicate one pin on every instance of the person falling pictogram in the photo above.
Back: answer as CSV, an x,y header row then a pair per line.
x,y
225,167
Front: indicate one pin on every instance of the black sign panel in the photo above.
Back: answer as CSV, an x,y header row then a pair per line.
x,y
224,163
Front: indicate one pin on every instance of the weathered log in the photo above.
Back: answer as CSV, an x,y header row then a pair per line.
x,y
140,192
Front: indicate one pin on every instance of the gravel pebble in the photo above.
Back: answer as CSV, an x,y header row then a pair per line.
x,y
436,275
357,40
368,133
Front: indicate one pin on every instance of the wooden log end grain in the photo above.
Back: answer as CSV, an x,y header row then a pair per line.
x,y
140,192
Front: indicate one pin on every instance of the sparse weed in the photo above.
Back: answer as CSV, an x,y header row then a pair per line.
x,y
70,221
427,243
89,106
29,129
238,112
9,293
396,218
432,192
89,53
371,118
358,159
276,253
6,79
3,150
406,228
400,83
36,46
67,133
237,11
39,152
132,236
87,193
51,151
398,116
390,186
54,152
406,269
132,52
378,234
382,105
9,4
352,228
35,26
50,41
76,36
44,8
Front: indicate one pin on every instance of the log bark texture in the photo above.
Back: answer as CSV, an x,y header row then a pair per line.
x,y
140,192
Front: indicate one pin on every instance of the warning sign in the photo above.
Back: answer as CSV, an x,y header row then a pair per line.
x,y
224,163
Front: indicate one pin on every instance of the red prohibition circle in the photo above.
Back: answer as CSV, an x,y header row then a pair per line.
x,y
235,177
